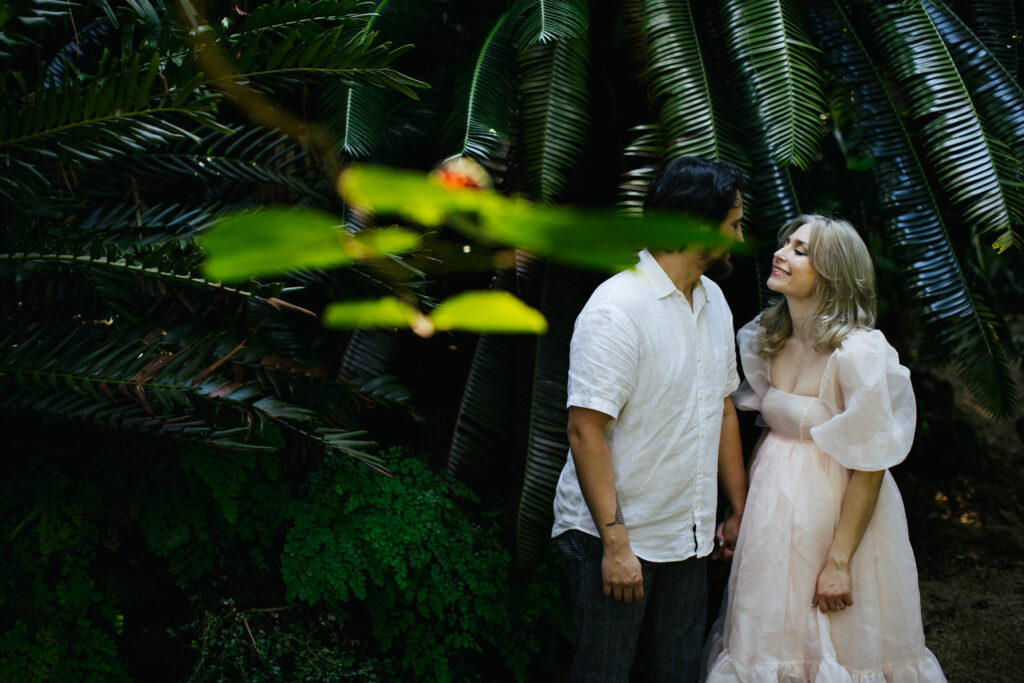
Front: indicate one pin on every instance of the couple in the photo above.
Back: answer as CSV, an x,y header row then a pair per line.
x,y
823,584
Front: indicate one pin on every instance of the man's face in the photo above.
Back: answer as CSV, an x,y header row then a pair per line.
x,y
718,264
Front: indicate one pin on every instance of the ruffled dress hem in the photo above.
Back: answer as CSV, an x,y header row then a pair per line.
x,y
828,670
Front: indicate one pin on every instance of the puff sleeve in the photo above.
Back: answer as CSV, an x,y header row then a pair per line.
x,y
872,402
755,371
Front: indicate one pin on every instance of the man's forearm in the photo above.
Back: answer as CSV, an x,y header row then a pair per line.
x,y
597,483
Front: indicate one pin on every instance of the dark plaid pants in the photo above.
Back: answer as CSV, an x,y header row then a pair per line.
x,y
663,633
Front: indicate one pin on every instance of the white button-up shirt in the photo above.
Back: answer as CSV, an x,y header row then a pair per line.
x,y
661,370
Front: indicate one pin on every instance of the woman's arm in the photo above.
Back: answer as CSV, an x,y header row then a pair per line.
x,y
833,591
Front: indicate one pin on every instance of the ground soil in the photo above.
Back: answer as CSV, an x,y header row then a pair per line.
x,y
967,530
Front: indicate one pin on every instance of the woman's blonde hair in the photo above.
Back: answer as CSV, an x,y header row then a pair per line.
x,y
844,290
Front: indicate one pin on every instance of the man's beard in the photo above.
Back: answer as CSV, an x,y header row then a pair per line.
x,y
718,267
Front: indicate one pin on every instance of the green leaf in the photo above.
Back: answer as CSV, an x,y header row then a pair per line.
x,y
385,312
767,43
600,239
274,241
492,311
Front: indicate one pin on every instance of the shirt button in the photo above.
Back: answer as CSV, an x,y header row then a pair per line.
x,y
702,435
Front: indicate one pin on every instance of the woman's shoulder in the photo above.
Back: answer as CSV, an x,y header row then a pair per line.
x,y
864,342
865,356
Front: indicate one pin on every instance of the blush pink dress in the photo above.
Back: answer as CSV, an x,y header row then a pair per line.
x,y
862,419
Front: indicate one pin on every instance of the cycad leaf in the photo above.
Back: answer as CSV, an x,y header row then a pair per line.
x,y
479,125
950,311
543,21
554,113
769,48
644,156
951,131
995,24
679,80
564,293
356,114
998,98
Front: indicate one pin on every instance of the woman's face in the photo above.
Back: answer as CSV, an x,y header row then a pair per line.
x,y
792,272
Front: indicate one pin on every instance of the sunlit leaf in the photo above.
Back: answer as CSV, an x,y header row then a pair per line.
x,y
274,241
600,239
385,312
383,242
491,311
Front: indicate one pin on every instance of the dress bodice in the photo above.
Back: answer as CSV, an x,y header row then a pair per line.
x,y
792,416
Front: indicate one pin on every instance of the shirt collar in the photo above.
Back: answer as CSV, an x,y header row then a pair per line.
x,y
662,284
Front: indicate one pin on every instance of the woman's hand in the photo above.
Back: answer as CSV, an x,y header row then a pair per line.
x,y
833,592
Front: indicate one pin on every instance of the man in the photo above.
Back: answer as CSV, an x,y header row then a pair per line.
x,y
651,425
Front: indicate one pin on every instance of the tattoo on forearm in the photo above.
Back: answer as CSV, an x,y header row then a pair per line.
x,y
618,515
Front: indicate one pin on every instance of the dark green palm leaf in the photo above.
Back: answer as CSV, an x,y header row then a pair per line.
x,y
998,98
679,80
958,326
356,115
951,132
125,109
21,18
554,114
767,45
644,156
479,125
543,21
346,52
995,24
564,292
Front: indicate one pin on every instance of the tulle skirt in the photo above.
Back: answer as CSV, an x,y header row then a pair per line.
x,y
768,630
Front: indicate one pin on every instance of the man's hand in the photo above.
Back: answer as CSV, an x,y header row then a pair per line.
x,y
622,575
725,537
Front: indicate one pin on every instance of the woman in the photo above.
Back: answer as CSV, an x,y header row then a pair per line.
x,y
823,584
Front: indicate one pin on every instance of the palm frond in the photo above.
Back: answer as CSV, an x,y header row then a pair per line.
x,y
950,130
218,167
124,109
139,268
543,21
994,22
308,52
644,155
479,125
23,17
564,292
554,112
951,312
998,98
679,80
767,44
356,115
484,451
281,19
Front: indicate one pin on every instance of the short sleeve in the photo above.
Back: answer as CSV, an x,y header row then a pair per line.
x,y
755,371
872,401
603,359
732,378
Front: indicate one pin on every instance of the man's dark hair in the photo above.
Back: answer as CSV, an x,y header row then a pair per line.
x,y
697,187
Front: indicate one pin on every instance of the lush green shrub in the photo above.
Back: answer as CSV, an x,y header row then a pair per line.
x,y
125,559
437,583
59,623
